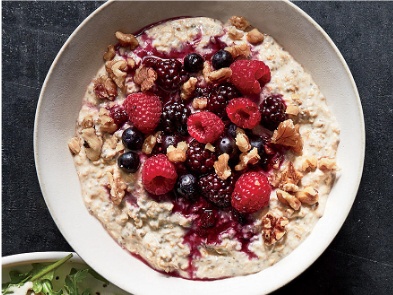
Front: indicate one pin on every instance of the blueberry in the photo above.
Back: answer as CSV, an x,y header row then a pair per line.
x,y
259,143
222,59
132,139
168,140
232,130
186,186
226,145
193,63
129,162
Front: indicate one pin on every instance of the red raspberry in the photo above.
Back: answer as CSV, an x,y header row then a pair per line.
x,y
205,127
158,175
144,111
250,75
251,193
244,113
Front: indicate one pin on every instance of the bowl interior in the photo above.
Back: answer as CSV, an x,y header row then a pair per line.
x,y
60,101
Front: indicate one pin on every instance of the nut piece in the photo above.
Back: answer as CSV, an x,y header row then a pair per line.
x,y
188,88
220,75
290,175
199,103
292,110
287,135
150,143
288,199
308,196
177,154
239,22
110,54
207,69
309,164
117,71
145,77
93,143
105,88
273,228
255,37
74,145
210,147
242,50
242,141
130,63
117,186
127,39
326,164
235,34
252,157
221,167
87,122
106,122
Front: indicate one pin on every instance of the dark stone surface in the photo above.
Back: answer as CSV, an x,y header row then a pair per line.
x,y
360,259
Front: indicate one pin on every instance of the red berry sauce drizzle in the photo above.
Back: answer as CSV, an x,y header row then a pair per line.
x,y
210,223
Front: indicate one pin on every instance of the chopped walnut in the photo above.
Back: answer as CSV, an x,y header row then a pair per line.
x,y
292,110
210,147
199,103
207,69
255,37
308,196
127,40
105,88
242,141
188,88
110,54
239,22
309,164
177,154
220,75
87,122
242,50
150,143
74,145
93,143
221,167
117,71
107,124
290,175
117,186
252,157
145,77
235,34
326,164
273,228
130,63
288,199
288,135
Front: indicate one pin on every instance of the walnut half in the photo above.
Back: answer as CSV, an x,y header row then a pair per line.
x,y
288,199
239,22
145,77
221,167
308,196
288,135
127,40
255,37
105,88
273,228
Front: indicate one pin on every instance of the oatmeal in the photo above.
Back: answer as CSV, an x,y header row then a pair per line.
x,y
204,148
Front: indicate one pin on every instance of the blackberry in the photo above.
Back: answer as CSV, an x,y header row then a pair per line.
x,y
174,118
273,111
199,159
216,190
118,114
170,73
208,218
219,97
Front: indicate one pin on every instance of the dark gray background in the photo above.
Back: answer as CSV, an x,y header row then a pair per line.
x,y
360,259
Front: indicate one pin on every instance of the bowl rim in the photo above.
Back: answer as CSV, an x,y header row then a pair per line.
x,y
33,257
355,189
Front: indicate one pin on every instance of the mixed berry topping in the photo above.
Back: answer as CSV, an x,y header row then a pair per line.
x,y
174,117
205,127
216,190
219,96
199,159
251,193
129,162
273,111
222,59
193,62
250,75
158,175
144,111
244,113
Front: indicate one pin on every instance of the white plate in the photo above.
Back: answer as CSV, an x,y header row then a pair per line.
x,y
23,262
60,100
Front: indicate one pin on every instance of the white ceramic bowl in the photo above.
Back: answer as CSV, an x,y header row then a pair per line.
x,y
23,262
60,100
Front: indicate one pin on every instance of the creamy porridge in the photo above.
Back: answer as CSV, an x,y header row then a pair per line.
x,y
204,148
